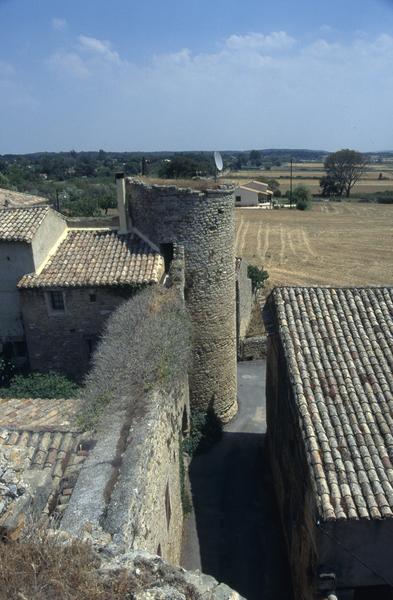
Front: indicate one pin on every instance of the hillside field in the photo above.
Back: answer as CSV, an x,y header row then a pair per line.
x,y
333,243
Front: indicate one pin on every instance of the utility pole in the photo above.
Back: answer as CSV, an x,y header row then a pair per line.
x,y
290,184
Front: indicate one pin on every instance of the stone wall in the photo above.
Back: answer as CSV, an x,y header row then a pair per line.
x,y
130,488
64,342
16,259
244,299
253,348
154,579
204,223
145,510
291,474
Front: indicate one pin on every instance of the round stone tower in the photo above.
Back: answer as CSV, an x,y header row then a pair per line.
x,y
204,223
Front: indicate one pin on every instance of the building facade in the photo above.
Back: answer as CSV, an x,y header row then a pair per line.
x,y
329,431
253,193
65,305
27,236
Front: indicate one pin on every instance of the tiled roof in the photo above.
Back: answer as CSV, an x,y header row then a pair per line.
x,y
339,349
256,186
95,258
19,199
21,224
43,452
39,414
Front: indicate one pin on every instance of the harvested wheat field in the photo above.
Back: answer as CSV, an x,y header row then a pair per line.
x,y
332,244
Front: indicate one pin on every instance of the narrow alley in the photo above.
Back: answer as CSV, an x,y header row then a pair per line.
x,y
235,533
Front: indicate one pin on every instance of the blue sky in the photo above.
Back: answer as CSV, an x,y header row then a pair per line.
x,y
195,74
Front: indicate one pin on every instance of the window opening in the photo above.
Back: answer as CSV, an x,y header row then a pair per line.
x,y
57,301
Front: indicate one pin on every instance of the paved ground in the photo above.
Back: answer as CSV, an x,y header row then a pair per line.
x,y
234,534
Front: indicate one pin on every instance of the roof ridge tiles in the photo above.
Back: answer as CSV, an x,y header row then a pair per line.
x,y
338,344
98,258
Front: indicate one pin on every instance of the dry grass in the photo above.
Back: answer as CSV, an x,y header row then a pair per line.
x,y
333,244
44,569
47,571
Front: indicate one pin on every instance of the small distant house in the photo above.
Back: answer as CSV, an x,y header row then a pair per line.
x,y
253,193
330,436
27,236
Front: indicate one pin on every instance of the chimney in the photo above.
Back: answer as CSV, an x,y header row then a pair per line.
x,y
121,202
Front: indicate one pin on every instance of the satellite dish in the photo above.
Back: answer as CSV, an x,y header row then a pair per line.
x,y
218,161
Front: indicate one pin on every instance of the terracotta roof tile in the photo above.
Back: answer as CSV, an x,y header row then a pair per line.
x,y
96,257
21,224
339,349
41,453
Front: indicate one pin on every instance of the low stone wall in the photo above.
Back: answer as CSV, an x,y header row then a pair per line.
x,y
155,580
145,509
130,487
244,299
253,348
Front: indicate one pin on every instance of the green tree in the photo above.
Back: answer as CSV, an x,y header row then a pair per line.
x,y
258,277
344,168
328,186
301,195
255,157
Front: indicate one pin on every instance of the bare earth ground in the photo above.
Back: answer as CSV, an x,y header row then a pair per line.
x,y
332,244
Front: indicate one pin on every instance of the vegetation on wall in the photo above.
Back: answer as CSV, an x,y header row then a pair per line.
x,y
40,385
146,345
43,567
258,277
205,429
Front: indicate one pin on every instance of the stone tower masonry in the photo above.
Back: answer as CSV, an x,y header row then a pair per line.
x,y
203,222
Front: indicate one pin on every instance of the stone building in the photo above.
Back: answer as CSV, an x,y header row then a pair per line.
x,y
330,436
58,285
27,236
203,222
65,304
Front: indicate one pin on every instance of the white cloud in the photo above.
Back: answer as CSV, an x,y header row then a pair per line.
x,y
6,69
326,29
100,48
257,90
69,63
58,23
277,40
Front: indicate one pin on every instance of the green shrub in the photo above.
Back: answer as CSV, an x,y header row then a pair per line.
x,y
302,205
302,197
258,277
205,430
40,385
7,371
